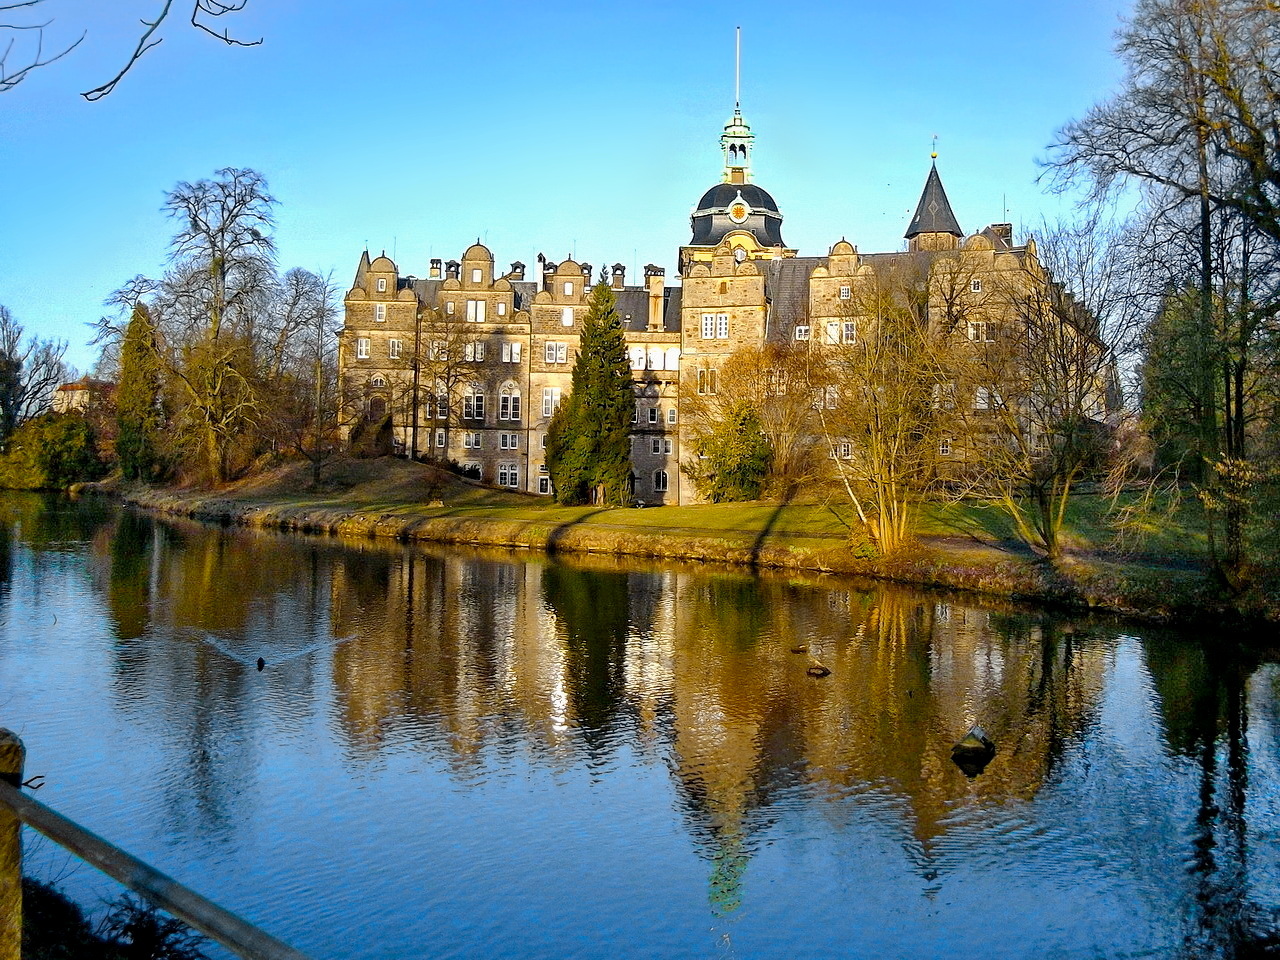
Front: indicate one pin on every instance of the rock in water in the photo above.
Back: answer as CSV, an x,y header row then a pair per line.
x,y
973,752
261,663
817,670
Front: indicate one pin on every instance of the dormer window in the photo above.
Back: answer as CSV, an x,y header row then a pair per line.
x,y
382,284
568,289
476,274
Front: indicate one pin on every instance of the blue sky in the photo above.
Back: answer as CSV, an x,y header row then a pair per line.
x,y
567,128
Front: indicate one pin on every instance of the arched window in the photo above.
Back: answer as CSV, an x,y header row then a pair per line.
x,y
441,395
377,408
637,358
473,402
659,481
673,358
378,382
509,402
656,356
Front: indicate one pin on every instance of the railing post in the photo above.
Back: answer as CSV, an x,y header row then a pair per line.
x,y
12,755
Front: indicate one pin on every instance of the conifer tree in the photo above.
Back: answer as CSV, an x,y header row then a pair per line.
x,y
138,400
588,442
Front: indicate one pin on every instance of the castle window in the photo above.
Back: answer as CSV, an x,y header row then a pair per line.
x,y
380,312
511,352
502,308
474,351
473,404
550,403
944,447
382,284
475,311
657,357
707,380
653,414
448,307
393,348
476,275
362,348
656,445
509,403
442,401
659,481
846,450
976,286
846,293
833,331
378,382
977,331
802,332
666,446
439,438
544,485
566,316
671,415
556,352
568,289
508,475
715,326
637,358
851,331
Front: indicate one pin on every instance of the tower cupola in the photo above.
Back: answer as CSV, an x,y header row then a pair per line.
x,y
736,144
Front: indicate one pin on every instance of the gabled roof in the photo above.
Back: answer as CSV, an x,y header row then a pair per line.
x,y
933,213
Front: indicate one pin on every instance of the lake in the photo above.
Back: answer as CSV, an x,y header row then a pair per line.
x,y
451,753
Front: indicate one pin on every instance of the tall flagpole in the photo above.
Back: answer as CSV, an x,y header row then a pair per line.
x,y
737,68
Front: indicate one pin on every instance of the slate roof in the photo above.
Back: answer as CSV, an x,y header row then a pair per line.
x,y
933,213
786,286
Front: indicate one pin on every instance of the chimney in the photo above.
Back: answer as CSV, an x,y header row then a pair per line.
x,y
517,271
586,276
655,280
435,269
548,271
452,269
539,274
619,275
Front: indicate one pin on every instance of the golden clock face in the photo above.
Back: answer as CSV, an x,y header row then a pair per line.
x,y
738,212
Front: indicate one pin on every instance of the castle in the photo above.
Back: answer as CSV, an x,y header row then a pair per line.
x,y
469,364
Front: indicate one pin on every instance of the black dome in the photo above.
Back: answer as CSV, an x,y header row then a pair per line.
x,y
721,195
711,220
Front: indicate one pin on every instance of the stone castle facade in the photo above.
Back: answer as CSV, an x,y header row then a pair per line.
x,y
469,364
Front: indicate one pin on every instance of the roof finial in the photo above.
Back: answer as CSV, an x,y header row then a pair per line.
x,y
934,155
737,69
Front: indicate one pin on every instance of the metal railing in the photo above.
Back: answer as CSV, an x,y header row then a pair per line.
x,y
17,808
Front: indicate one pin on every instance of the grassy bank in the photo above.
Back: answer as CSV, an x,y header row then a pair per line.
x,y
969,546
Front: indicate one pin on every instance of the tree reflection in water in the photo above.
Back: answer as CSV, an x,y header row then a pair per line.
x,y
484,662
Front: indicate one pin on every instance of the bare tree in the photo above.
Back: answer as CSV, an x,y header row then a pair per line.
x,y
224,254
205,16
30,370
883,404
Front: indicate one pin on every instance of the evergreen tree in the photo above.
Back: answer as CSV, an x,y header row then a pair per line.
x,y
735,458
138,400
588,442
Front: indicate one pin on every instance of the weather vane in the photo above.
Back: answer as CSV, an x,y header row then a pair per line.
x,y
935,147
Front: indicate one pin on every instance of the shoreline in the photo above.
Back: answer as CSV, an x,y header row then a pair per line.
x,y
1132,589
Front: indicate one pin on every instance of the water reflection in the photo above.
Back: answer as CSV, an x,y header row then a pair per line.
x,y
1132,768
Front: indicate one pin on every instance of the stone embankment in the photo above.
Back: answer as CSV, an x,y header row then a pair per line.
x,y
1150,592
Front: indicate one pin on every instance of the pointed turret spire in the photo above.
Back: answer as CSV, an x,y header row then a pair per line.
x,y
933,213
362,269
